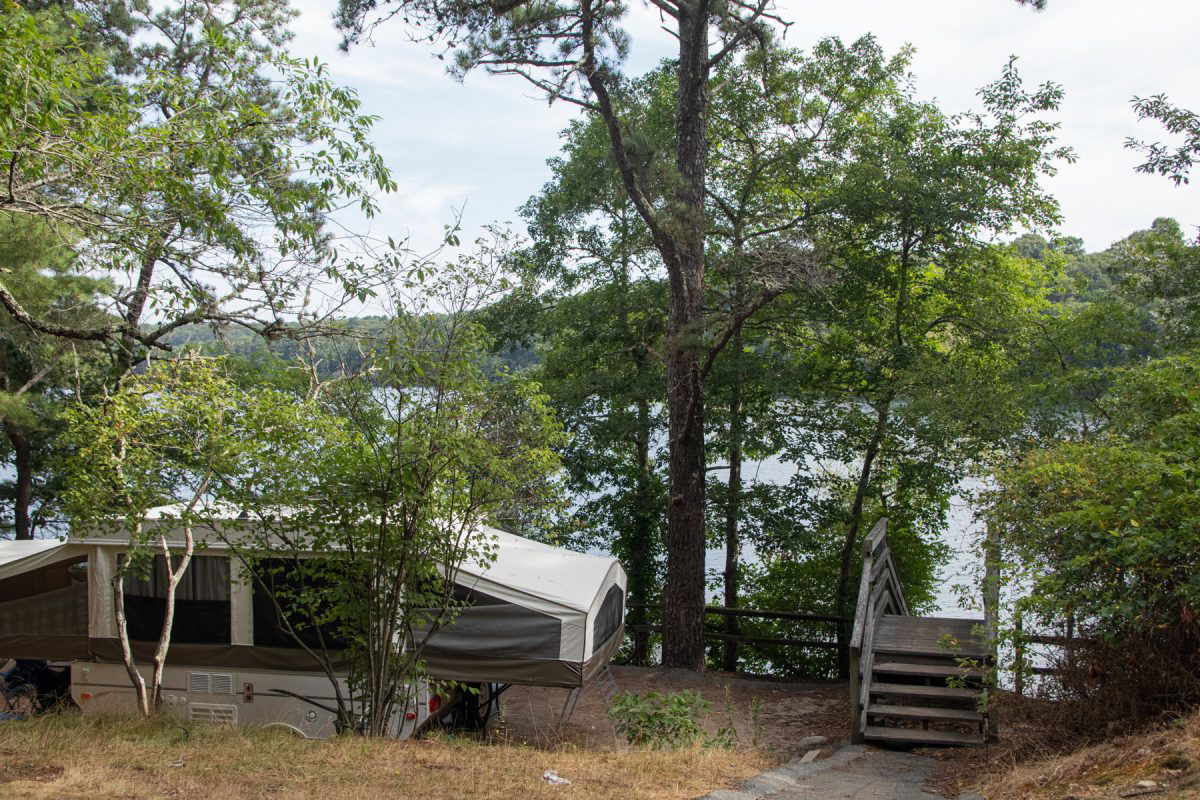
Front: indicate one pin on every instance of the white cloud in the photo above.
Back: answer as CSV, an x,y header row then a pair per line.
x,y
486,141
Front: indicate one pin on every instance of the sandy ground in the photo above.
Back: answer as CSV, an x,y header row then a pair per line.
x,y
788,710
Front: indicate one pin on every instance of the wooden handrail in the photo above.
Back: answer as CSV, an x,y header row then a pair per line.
x,y
879,592
840,626
733,637
725,611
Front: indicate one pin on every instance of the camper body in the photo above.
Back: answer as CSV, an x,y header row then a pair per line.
x,y
293,700
535,615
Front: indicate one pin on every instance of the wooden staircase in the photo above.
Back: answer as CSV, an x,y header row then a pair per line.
x,y
914,680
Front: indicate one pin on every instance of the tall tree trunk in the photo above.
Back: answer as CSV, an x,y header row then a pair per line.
x,y
683,596
23,462
733,504
852,530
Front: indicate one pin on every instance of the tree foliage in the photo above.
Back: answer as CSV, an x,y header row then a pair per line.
x,y
1114,513
200,181
40,374
1174,162
175,436
434,445
177,167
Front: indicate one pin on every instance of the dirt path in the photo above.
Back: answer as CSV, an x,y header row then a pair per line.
x,y
854,771
771,713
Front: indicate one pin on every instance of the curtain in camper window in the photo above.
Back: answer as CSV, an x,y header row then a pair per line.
x,y
51,601
201,602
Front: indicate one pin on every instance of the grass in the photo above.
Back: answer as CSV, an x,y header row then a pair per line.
x,y
68,755
1169,757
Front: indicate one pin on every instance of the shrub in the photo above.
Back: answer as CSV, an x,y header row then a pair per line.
x,y
1105,530
661,721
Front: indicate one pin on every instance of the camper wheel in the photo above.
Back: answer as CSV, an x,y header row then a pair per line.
x,y
478,703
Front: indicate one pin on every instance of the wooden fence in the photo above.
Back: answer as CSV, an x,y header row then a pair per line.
x,y
1067,642
641,631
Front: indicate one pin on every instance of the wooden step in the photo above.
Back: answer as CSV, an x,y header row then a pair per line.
x,y
929,692
924,713
925,636
946,670
921,737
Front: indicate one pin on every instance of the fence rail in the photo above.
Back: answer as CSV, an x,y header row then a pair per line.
x,y
1067,641
642,630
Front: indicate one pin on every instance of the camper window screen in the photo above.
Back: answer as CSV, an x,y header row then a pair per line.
x,y
201,602
277,583
609,618
47,601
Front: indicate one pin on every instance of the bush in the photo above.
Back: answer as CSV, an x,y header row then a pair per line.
x,y
1105,530
661,721
1104,688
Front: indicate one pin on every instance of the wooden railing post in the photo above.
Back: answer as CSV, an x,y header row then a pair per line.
x,y
991,588
855,665
731,646
843,650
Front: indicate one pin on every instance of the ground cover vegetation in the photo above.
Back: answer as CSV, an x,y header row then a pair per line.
x,y
71,756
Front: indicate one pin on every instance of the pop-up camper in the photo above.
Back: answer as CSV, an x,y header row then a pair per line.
x,y
536,615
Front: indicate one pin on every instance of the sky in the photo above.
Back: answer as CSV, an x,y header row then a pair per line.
x,y
480,147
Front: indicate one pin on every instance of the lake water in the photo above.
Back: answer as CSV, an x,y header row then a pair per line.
x,y
960,536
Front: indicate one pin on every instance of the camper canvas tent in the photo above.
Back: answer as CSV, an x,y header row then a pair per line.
x,y
535,614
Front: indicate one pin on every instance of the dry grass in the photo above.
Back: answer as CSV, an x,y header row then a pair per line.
x,y
1169,757
73,756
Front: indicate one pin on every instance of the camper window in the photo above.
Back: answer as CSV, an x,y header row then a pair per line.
x,y
277,582
201,602
50,601
609,619
498,627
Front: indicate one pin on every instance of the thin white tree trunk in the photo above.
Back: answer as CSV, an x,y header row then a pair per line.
x,y
174,576
135,677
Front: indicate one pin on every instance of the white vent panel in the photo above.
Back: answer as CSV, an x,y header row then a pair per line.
x,y
222,683
200,682
212,712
